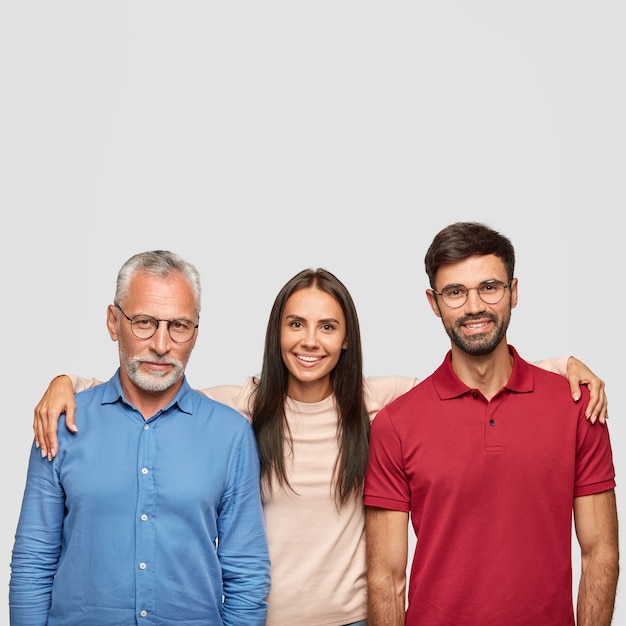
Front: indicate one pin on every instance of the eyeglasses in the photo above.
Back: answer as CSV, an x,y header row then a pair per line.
x,y
490,292
144,327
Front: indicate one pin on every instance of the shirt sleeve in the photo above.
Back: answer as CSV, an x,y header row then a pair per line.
x,y
386,484
242,543
595,471
37,544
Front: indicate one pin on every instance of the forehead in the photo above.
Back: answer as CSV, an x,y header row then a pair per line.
x,y
165,297
313,303
472,271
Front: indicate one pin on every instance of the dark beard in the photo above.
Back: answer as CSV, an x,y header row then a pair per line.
x,y
479,344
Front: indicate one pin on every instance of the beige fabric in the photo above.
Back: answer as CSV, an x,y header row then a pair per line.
x,y
317,552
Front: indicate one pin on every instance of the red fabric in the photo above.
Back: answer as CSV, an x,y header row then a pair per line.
x,y
490,488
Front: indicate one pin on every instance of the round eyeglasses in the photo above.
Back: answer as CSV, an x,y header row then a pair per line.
x,y
144,327
489,291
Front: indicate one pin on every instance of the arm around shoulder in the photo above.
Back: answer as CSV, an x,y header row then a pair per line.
x,y
58,398
577,374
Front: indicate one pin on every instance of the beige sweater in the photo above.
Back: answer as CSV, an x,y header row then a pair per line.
x,y
317,552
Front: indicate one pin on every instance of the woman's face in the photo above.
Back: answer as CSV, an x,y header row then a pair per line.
x,y
312,336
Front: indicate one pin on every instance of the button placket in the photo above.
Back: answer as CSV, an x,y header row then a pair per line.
x,y
145,582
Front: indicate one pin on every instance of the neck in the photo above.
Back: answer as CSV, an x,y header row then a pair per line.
x,y
309,392
148,403
487,373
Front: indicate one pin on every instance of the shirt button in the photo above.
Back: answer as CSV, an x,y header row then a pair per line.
x,y
143,613
144,517
144,470
492,422
475,394
142,566
146,427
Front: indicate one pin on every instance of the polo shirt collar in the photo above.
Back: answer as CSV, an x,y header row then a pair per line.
x,y
449,386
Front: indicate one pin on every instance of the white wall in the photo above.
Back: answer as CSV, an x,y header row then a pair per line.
x,y
259,138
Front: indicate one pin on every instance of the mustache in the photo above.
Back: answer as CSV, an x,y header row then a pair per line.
x,y
156,358
469,319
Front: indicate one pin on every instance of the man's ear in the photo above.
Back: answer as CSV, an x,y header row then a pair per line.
x,y
433,301
513,293
112,321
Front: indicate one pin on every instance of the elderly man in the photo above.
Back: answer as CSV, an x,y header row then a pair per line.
x,y
151,514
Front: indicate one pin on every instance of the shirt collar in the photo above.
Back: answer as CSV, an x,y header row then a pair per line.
x,y
449,386
113,392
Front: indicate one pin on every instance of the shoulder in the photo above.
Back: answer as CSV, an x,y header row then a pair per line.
x,y
381,390
419,400
401,412
209,406
238,397
549,380
219,421
94,397
546,392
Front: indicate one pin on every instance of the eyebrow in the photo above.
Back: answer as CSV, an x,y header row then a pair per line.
x,y
299,318
482,282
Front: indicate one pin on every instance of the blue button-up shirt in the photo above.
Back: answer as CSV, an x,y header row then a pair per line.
x,y
148,522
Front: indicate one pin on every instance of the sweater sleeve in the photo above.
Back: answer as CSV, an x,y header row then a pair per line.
x,y
558,365
80,384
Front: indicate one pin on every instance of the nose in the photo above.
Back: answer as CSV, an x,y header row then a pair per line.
x,y
474,302
161,341
310,339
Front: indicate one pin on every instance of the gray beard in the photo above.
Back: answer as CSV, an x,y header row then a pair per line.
x,y
155,381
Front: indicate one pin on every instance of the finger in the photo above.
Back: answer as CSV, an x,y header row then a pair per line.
x,y
39,430
601,410
598,403
50,435
574,387
591,413
70,418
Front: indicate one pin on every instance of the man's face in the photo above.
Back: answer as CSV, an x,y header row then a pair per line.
x,y
475,327
157,363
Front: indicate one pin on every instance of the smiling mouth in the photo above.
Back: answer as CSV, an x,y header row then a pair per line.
x,y
308,359
476,325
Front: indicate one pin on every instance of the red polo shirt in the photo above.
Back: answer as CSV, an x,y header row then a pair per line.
x,y
490,488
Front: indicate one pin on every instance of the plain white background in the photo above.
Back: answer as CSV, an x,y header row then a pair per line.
x,y
260,138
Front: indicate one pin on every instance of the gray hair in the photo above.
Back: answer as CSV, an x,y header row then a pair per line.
x,y
157,263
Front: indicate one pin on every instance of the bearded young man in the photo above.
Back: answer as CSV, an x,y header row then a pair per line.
x,y
489,457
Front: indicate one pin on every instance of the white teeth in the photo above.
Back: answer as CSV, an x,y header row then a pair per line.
x,y
309,359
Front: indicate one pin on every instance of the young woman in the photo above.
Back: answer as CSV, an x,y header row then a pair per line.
x,y
311,409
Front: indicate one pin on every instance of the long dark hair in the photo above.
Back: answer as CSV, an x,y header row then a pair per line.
x,y
346,379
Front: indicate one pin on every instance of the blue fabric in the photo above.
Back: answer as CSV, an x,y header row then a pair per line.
x,y
138,516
